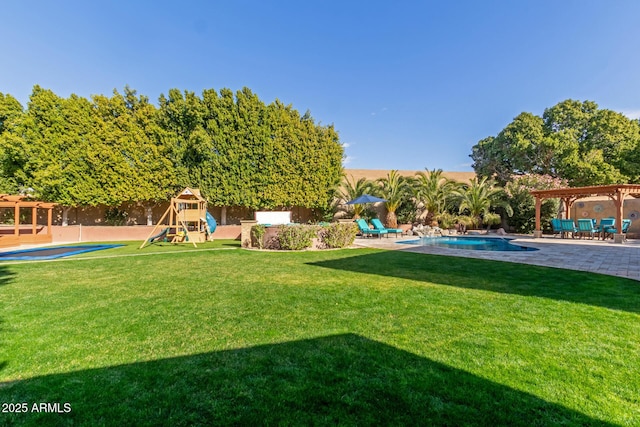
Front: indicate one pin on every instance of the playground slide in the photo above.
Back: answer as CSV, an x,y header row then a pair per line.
x,y
159,236
211,222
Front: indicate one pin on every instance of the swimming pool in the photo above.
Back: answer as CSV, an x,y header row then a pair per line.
x,y
469,243
51,252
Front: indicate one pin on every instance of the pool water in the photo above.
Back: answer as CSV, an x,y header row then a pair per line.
x,y
51,252
469,243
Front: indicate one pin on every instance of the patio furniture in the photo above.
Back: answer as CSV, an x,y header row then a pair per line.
x,y
605,225
556,226
585,226
568,226
625,228
377,225
365,230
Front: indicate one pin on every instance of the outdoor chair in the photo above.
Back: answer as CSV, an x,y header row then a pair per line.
x,y
625,228
605,225
556,226
377,225
585,226
568,226
365,230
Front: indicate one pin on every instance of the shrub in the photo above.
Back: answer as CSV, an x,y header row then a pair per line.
x,y
523,203
491,218
339,235
296,237
257,233
446,220
407,212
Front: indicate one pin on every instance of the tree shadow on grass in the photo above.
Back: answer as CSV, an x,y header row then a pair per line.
x,y
6,275
496,276
234,244
344,379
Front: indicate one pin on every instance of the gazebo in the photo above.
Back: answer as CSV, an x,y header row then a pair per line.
x,y
616,192
17,235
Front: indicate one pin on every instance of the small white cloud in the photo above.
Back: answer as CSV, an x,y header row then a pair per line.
x,y
346,145
632,114
347,160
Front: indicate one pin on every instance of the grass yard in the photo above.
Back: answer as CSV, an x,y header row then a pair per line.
x,y
348,337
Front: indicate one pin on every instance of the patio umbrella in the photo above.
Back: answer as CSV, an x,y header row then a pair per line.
x,y
365,198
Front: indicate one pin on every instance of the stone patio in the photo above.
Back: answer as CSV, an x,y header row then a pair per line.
x,y
595,256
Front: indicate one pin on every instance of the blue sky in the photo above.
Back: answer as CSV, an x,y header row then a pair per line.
x,y
407,84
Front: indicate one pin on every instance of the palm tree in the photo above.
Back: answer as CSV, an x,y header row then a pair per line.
x,y
352,189
394,188
479,197
433,190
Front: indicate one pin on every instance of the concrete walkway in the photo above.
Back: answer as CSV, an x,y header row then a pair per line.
x,y
595,256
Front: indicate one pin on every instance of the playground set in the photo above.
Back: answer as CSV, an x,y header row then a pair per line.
x,y
187,221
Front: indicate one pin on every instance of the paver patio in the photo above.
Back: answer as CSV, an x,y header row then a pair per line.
x,y
595,256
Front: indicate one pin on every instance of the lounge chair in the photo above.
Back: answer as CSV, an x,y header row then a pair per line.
x,y
556,226
585,226
605,225
365,230
625,228
568,226
377,225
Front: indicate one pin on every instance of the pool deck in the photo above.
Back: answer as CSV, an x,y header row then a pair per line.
x,y
595,256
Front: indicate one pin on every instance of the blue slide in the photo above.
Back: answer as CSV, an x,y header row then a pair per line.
x,y
211,222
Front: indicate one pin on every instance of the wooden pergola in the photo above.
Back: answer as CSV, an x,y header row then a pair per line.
x,y
17,238
616,192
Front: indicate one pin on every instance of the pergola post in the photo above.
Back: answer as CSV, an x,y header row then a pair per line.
x,y
567,207
537,233
16,219
49,220
34,220
618,201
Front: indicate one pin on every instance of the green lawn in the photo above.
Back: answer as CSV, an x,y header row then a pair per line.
x,y
348,337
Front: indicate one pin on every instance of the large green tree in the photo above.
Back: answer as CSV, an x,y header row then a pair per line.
x,y
110,150
51,147
572,140
242,152
80,152
136,165
135,162
11,113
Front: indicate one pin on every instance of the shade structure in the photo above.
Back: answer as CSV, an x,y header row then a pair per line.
x,y
616,192
365,198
